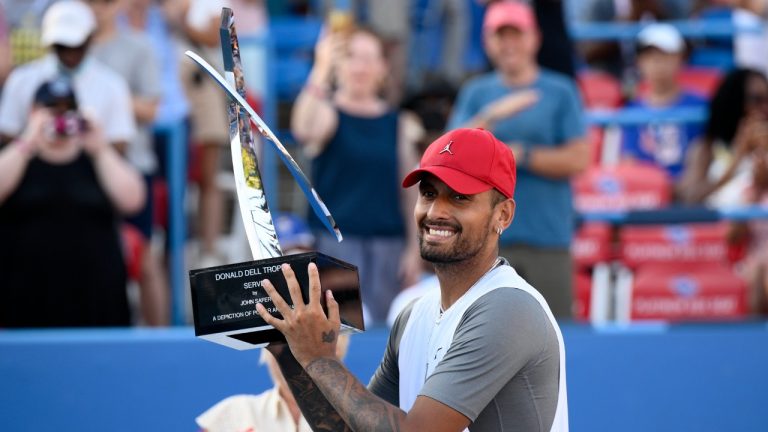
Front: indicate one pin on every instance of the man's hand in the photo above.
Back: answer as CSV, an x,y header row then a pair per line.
x,y
309,332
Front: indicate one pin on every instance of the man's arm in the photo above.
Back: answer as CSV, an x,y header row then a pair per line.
x,y
312,336
555,162
316,409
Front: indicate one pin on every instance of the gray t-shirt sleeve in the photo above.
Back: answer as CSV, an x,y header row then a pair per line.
x,y
498,336
385,382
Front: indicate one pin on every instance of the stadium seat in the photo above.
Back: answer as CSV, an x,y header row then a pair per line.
x,y
592,244
681,292
599,90
621,187
674,244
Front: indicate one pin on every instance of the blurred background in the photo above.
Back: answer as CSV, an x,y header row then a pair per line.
x,y
641,134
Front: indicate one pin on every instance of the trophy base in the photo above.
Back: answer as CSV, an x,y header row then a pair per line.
x,y
224,298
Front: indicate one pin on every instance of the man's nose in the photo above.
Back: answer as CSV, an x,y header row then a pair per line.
x,y
438,209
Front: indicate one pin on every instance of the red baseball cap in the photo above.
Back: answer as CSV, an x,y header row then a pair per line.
x,y
469,161
509,13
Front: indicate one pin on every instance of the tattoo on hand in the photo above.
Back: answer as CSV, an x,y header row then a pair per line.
x,y
329,337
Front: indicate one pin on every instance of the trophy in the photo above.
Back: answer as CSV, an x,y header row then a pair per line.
x,y
224,298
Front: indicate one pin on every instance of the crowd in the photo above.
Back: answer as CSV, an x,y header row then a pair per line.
x,y
88,86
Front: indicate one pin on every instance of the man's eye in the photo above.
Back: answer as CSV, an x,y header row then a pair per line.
x,y
428,194
458,197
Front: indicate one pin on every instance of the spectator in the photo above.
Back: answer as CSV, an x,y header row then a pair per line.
x,y
547,138
360,146
660,58
130,55
147,17
62,186
197,24
101,93
391,21
718,169
613,57
275,410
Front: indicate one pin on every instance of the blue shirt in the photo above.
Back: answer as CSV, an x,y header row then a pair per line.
x,y
544,215
663,144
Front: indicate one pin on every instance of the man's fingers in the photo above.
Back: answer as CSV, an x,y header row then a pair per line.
x,y
314,285
333,307
268,318
293,286
277,299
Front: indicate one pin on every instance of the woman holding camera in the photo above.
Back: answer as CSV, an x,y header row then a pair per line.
x,y
62,190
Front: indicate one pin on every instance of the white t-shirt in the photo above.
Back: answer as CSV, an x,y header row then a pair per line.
x,y
100,93
266,412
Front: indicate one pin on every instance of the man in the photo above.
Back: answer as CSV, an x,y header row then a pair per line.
x,y
483,352
537,113
660,58
102,94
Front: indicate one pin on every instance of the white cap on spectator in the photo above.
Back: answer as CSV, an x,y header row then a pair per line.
x,y
67,23
662,36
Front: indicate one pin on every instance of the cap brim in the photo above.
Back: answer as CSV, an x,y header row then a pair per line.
x,y
455,179
66,37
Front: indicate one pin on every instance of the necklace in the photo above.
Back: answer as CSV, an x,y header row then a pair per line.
x,y
496,263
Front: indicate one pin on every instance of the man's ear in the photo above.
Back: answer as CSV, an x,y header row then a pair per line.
x,y
505,212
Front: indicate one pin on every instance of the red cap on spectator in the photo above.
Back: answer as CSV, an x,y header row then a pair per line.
x,y
509,13
469,161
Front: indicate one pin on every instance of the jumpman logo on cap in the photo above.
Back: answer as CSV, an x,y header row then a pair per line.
x,y
447,148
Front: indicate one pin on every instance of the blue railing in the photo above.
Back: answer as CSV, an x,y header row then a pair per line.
x,y
692,29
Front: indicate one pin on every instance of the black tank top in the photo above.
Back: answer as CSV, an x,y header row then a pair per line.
x,y
61,261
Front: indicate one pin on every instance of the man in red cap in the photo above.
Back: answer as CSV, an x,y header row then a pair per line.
x,y
483,352
538,114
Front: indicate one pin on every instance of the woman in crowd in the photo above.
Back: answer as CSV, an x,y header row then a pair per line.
x,y
730,167
360,148
62,189
718,170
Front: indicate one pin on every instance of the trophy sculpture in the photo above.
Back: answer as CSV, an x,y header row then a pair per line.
x,y
224,298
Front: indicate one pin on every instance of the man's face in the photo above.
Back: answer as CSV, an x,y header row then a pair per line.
x,y
453,227
71,57
657,66
511,48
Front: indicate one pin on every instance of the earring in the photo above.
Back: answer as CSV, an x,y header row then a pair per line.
x,y
499,231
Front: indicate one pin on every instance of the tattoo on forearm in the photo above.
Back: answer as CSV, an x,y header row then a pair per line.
x,y
363,411
329,337
318,412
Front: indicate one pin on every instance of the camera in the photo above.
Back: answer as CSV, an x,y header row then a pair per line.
x,y
59,97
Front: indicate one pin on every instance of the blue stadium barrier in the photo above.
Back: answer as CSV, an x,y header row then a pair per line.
x,y
643,377
693,29
637,116
677,214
